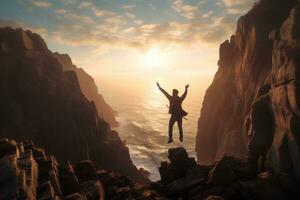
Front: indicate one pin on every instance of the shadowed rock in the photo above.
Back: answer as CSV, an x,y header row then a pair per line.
x,y
24,176
89,89
46,104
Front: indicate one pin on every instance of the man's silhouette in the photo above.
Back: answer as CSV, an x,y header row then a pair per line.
x,y
176,111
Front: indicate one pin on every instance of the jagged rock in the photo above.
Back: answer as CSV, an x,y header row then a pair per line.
x,y
18,40
25,176
85,171
27,163
44,103
110,179
67,178
46,191
223,173
144,172
38,153
28,145
284,156
75,196
92,190
8,148
89,89
9,177
178,166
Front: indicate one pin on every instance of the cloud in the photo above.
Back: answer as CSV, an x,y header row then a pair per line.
x,y
99,12
85,5
138,22
41,4
236,2
129,6
86,23
80,18
60,11
130,15
186,10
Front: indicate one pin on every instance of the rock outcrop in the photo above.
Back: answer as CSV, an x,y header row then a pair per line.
x,y
255,92
89,89
42,102
28,172
182,178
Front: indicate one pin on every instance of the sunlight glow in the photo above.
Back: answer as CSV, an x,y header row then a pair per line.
x,y
153,58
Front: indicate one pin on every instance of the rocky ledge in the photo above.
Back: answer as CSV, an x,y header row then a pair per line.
x,y
229,178
27,172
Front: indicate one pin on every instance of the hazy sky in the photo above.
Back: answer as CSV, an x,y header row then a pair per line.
x,y
113,36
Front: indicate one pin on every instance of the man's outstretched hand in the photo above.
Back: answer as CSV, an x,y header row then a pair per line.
x,y
157,83
187,86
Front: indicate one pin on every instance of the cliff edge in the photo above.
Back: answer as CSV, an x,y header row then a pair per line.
x,y
89,89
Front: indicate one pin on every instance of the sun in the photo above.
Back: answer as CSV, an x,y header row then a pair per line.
x,y
153,58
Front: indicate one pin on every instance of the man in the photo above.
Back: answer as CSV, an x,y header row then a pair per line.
x,y
176,111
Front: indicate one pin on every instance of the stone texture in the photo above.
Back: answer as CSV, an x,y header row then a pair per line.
x,y
85,171
68,179
25,176
254,95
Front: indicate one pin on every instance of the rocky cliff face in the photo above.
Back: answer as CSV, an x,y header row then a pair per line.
x,y
255,92
42,102
89,89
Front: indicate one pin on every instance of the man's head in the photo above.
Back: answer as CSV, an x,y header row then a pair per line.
x,y
175,92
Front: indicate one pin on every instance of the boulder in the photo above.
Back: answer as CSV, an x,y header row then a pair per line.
x,y
92,190
68,180
45,191
223,173
178,166
85,171
8,148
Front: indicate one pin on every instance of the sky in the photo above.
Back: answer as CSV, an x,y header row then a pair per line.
x,y
131,36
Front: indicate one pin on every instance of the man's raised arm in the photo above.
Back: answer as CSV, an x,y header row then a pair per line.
x,y
185,92
163,91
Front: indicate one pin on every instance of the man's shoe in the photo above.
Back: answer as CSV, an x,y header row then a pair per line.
x,y
181,139
170,140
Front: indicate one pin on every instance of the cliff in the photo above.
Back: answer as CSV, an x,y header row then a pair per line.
x,y
89,89
254,96
42,102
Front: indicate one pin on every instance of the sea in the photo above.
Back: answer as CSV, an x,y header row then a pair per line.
x,y
143,113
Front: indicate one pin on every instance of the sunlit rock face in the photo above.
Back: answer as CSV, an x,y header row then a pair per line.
x,y
89,89
257,80
42,102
